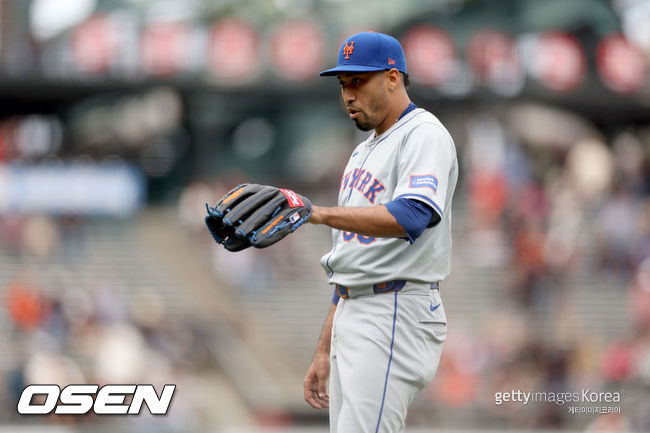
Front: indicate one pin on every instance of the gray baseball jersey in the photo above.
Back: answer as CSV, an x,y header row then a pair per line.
x,y
416,159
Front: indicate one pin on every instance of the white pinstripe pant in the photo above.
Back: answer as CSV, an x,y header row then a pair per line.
x,y
385,348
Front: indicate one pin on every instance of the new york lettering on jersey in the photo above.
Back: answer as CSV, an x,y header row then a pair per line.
x,y
364,182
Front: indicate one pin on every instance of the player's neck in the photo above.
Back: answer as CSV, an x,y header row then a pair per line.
x,y
394,114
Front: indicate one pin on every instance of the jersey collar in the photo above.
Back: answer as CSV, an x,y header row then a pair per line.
x,y
373,139
410,108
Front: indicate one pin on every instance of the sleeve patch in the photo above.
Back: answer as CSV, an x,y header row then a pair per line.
x,y
424,181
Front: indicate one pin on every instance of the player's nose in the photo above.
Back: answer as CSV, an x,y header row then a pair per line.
x,y
348,95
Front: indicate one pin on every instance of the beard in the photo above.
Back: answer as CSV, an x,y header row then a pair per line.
x,y
364,123
376,104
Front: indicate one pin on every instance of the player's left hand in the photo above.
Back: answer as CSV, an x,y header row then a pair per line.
x,y
315,383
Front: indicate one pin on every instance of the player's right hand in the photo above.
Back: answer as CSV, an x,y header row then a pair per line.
x,y
315,383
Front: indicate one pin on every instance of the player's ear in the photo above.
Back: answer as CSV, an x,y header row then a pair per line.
x,y
393,79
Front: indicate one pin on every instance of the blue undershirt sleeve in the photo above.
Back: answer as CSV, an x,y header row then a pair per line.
x,y
335,297
413,215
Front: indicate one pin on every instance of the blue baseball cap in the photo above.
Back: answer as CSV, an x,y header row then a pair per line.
x,y
368,51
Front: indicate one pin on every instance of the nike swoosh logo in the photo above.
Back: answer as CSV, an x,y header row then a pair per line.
x,y
434,307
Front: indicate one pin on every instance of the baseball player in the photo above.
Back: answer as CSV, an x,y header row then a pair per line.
x,y
382,339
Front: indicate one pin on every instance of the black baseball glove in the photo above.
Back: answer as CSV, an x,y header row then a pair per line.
x,y
256,215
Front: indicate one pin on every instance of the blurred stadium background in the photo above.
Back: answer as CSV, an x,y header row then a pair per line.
x,y
119,119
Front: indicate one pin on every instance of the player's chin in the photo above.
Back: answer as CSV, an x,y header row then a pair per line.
x,y
363,125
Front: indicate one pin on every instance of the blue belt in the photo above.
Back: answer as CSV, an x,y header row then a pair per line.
x,y
344,292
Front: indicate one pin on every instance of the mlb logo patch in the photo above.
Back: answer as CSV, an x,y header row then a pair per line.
x,y
424,181
294,218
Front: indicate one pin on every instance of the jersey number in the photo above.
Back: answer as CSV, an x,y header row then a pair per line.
x,y
364,240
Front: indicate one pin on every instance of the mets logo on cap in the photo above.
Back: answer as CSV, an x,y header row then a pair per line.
x,y
348,49
368,52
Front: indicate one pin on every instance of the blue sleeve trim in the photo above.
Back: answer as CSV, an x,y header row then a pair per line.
x,y
413,215
426,199
336,297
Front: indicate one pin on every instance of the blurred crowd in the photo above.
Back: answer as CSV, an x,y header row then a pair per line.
x,y
551,214
548,204
554,206
82,302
